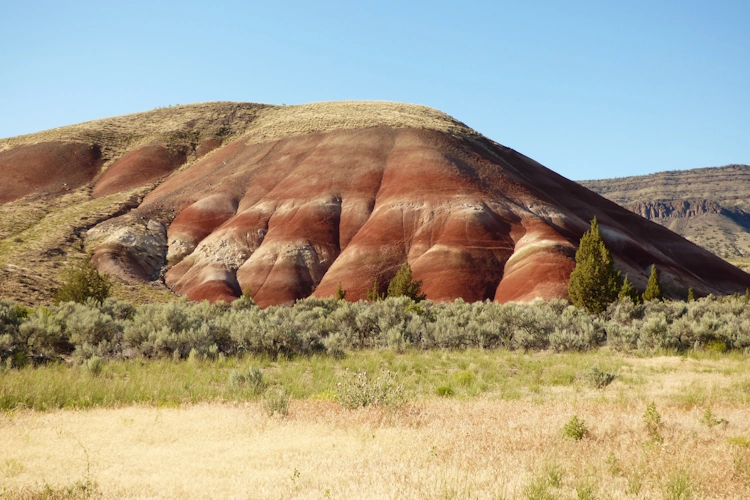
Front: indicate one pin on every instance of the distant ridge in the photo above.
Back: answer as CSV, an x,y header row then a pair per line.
x,y
709,206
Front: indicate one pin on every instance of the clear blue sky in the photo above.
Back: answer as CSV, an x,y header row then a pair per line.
x,y
590,89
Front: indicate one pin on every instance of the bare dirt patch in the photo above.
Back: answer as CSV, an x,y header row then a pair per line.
x,y
48,167
137,168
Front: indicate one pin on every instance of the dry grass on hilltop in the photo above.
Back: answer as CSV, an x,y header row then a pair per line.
x,y
174,126
181,124
328,116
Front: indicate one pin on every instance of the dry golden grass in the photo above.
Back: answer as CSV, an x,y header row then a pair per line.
x,y
282,121
184,124
432,448
174,126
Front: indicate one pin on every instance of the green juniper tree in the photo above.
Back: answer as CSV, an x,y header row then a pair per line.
x,y
82,282
653,290
404,285
627,291
373,294
340,292
594,283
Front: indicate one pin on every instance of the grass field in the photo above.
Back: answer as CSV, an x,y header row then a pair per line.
x,y
499,375
475,424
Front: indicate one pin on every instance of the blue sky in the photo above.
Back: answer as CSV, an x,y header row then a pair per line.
x,y
590,89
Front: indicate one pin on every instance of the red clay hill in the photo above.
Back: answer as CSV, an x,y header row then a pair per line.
x,y
287,202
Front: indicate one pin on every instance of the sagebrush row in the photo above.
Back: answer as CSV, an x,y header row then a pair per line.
x,y
114,329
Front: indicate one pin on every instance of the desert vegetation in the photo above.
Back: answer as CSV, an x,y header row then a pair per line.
x,y
609,397
114,329
595,283
327,397
467,423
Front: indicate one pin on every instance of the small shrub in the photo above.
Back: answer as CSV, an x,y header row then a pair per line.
x,y
656,334
739,441
652,420
252,379
613,464
358,391
678,487
444,391
585,491
716,345
94,365
599,379
622,337
583,337
404,285
575,428
708,419
464,378
91,331
83,282
554,475
41,337
542,484
276,401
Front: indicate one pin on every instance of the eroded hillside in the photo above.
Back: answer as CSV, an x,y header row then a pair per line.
x,y
281,202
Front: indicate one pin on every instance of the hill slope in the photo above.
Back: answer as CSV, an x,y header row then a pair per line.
x,y
708,206
282,202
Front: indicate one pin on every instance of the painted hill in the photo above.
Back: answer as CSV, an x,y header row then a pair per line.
x,y
282,202
708,206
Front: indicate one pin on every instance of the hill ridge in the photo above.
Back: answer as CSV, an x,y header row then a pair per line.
x,y
722,226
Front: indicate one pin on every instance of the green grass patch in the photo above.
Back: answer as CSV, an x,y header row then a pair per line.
x,y
508,375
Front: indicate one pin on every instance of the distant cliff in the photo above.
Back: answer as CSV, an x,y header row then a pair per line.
x,y
675,208
709,206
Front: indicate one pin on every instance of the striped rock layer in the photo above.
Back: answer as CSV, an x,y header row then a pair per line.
x,y
292,217
285,215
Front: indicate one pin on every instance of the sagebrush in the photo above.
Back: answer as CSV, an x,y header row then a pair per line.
x,y
112,329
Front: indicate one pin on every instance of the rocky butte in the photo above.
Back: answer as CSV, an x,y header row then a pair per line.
x,y
282,202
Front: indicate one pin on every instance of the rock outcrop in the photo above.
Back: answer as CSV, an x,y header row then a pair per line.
x,y
300,199
675,208
708,206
